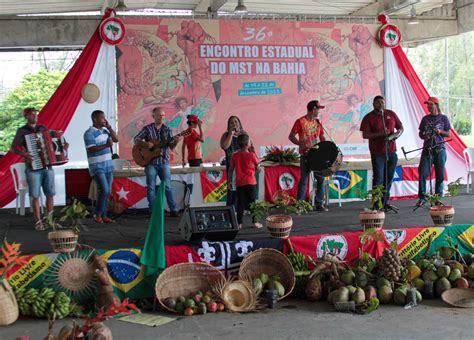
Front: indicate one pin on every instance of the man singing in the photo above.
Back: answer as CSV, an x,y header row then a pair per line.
x,y
433,128
381,127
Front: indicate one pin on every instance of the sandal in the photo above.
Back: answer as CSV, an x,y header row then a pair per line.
x,y
98,219
39,226
108,220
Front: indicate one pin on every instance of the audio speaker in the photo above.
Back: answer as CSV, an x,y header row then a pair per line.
x,y
210,223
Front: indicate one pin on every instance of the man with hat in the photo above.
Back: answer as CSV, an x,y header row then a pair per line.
x,y
382,127
433,128
36,179
307,132
193,142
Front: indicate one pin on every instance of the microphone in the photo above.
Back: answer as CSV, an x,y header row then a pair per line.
x,y
404,153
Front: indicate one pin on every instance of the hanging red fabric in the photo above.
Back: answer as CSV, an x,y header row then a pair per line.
x,y
422,94
59,110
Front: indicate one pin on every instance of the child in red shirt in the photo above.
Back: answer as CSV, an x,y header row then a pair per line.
x,y
245,163
193,142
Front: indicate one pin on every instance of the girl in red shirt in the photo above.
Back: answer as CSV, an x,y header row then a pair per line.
x,y
193,142
245,164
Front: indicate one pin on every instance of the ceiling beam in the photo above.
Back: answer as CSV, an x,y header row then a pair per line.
x,y
383,6
217,4
202,6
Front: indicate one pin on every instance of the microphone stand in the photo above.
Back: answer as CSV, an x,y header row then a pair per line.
x,y
387,207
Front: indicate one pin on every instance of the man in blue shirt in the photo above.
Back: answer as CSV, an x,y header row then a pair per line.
x,y
158,166
99,139
433,128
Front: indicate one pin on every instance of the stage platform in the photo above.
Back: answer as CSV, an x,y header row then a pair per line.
x,y
131,227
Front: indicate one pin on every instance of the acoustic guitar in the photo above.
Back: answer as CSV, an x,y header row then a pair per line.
x,y
142,155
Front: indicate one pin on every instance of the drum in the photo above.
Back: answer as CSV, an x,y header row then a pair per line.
x,y
324,158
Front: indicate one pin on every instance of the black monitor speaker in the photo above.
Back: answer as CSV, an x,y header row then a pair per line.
x,y
210,223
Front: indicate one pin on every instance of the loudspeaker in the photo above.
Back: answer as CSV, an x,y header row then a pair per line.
x,y
210,223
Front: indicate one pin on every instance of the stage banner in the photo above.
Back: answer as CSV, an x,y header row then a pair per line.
x,y
350,182
129,192
264,72
405,182
282,178
214,186
344,245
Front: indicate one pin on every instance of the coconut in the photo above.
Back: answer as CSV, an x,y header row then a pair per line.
x,y
419,297
455,264
358,296
381,281
400,295
430,276
470,271
314,289
443,271
469,258
442,285
170,303
385,294
352,289
332,296
461,283
348,277
341,295
418,284
361,279
455,274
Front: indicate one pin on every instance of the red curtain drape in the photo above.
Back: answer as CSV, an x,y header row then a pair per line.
x,y
422,94
59,110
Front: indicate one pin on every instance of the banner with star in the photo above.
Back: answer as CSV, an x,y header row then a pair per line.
x,y
214,186
129,192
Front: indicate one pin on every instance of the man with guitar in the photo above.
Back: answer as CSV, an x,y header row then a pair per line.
x,y
152,150
310,132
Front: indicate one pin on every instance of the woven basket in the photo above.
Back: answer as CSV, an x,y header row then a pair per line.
x,y
63,241
271,262
9,307
239,296
459,297
279,226
442,215
372,219
185,279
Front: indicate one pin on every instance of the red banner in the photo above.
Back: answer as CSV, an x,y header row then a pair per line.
x,y
282,177
214,186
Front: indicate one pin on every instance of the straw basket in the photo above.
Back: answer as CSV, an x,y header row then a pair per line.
x,y
279,226
271,262
442,215
9,310
185,279
63,241
372,219
239,296
459,297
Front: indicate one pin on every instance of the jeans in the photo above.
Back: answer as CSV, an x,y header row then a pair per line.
x,y
37,179
438,159
103,180
163,171
380,171
304,174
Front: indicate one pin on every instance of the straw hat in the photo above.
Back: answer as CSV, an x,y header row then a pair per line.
x,y
90,93
237,295
459,297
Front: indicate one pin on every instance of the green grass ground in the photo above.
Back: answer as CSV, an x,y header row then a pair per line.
x,y
469,140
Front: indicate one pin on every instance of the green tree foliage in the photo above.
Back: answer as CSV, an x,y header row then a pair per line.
x,y
34,90
429,62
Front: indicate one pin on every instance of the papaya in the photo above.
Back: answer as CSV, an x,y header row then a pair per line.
x,y
264,278
348,277
418,283
280,288
352,289
385,294
257,286
413,273
341,295
455,274
443,271
358,296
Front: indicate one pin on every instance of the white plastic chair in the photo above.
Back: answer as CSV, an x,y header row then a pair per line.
x,y
469,161
327,182
119,164
20,184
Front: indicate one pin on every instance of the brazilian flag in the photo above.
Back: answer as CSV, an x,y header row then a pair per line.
x,y
349,182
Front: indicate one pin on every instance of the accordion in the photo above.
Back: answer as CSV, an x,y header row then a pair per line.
x,y
46,148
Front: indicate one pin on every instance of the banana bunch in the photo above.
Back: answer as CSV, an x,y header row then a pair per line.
x,y
43,302
298,261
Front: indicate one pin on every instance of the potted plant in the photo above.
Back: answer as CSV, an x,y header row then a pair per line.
x,y
441,214
279,225
9,257
373,217
65,241
275,154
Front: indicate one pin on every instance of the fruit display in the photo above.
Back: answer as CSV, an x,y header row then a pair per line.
x,y
198,303
265,282
300,265
44,302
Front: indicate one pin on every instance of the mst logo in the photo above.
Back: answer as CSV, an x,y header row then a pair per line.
x,y
395,235
286,181
334,244
214,176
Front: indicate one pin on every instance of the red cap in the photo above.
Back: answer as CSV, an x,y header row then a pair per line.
x,y
29,110
432,100
314,103
193,118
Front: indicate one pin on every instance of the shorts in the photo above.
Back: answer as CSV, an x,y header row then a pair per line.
x,y
40,178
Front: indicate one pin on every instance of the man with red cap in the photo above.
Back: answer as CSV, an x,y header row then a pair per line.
x,y
382,127
193,142
307,132
433,128
36,179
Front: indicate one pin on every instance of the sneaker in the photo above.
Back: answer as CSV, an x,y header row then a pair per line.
x,y
39,225
421,202
108,220
98,219
258,225
320,207
174,214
